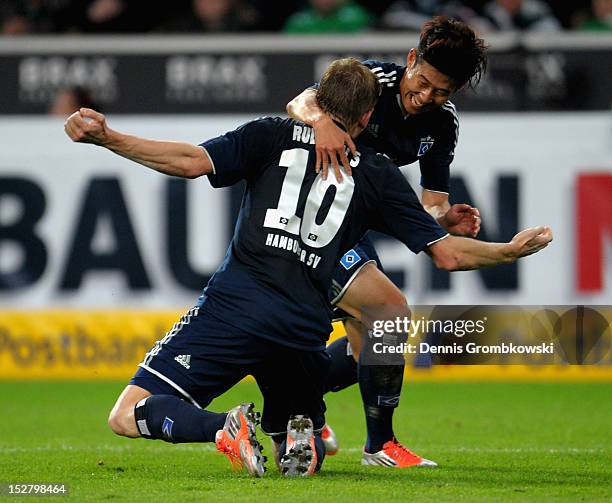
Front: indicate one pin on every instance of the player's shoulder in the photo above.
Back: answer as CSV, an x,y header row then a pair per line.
x,y
376,174
374,164
443,120
284,132
378,66
268,127
448,113
271,121
388,74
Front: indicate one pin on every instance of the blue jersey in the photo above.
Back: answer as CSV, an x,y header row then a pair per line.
x,y
294,226
429,137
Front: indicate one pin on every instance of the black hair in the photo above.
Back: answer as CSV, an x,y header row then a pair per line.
x,y
452,48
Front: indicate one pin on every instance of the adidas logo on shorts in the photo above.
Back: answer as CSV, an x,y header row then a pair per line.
x,y
184,360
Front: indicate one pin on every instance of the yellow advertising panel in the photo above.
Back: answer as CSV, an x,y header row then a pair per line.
x,y
78,344
109,344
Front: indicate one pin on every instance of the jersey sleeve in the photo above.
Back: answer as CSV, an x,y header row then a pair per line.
x,y
402,216
240,154
435,164
435,173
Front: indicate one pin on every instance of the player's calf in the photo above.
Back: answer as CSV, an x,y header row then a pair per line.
x,y
138,413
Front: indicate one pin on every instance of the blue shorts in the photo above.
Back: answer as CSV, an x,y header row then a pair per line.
x,y
345,273
202,357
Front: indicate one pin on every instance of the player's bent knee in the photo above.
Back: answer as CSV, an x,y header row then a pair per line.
x,y
115,423
395,297
394,305
121,418
122,423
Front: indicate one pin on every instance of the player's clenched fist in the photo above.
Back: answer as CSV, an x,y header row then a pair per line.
x,y
462,220
87,126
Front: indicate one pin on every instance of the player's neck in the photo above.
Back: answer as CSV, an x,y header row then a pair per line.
x,y
338,123
353,131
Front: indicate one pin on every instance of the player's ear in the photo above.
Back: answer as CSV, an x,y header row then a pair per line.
x,y
365,118
411,58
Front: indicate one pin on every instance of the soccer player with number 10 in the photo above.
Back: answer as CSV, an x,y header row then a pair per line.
x,y
265,312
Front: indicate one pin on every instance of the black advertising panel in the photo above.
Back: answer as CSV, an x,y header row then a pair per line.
x,y
260,74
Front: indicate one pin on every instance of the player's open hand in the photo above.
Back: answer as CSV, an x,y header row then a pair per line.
x,y
530,241
87,126
462,220
330,148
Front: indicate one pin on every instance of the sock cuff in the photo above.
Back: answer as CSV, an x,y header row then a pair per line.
x,y
141,418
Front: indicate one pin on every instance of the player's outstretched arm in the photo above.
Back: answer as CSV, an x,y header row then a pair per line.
x,y
461,254
168,157
329,138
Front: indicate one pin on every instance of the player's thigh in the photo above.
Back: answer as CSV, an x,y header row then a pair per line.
x,y
371,296
348,269
292,383
371,288
198,360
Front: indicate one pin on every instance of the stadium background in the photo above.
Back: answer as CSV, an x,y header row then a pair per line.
x,y
91,245
98,257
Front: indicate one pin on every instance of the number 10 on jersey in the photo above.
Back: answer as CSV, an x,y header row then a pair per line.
x,y
284,215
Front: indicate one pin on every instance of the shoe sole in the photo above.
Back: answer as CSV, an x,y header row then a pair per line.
x,y
298,460
251,451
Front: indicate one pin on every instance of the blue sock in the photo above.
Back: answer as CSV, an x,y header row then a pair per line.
x,y
380,387
343,368
169,418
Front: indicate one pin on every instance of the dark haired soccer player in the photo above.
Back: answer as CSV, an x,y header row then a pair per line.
x,y
265,311
413,120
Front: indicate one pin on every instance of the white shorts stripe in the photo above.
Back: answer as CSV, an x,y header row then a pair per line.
x,y
171,383
157,347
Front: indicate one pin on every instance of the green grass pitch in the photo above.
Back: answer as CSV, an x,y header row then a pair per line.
x,y
493,442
